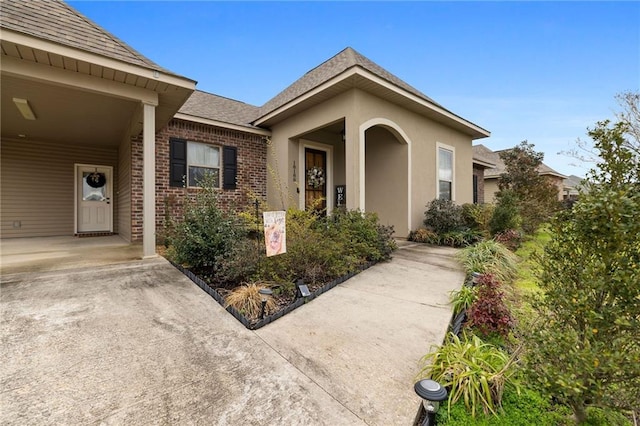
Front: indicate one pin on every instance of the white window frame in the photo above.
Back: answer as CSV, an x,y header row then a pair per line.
x,y
451,149
189,164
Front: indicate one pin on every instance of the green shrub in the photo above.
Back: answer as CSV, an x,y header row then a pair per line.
x,y
490,257
423,235
511,238
460,238
207,233
361,234
478,217
475,372
320,249
524,408
505,216
443,216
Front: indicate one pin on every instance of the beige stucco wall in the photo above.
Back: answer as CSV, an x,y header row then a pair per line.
x,y
386,165
37,186
361,110
490,190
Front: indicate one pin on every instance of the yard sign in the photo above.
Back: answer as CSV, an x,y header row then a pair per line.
x,y
275,232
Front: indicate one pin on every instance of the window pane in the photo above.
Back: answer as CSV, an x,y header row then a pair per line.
x,y
203,155
196,174
90,192
445,190
445,164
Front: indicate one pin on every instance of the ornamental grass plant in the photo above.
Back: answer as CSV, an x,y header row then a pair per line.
x,y
474,372
247,300
490,257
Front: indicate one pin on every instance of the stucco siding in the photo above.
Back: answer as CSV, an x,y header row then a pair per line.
x,y
490,190
37,186
357,108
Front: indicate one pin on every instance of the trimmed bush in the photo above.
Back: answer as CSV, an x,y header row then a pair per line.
x,y
506,215
207,234
443,216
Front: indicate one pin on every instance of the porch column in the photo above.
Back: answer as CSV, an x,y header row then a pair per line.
x,y
354,163
149,181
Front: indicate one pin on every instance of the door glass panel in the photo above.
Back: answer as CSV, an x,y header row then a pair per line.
x,y
89,193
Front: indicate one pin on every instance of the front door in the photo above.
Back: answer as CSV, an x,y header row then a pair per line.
x,y
94,186
315,181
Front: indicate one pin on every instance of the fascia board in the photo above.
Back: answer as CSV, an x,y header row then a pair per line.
x,y
96,59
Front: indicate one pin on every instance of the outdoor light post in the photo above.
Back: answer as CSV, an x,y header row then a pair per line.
x,y
432,394
264,292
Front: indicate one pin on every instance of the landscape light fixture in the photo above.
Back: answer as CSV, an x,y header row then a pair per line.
x,y
24,108
432,394
265,292
301,289
475,277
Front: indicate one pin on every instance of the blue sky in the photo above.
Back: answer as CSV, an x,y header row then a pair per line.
x,y
540,71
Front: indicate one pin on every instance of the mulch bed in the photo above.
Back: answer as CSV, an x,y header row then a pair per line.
x,y
285,304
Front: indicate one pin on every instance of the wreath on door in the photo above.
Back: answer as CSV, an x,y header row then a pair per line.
x,y
96,180
315,177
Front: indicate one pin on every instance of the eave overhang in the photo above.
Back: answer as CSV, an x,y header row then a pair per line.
x,y
360,78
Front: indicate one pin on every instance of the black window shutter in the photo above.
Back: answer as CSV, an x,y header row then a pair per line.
x,y
230,170
177,161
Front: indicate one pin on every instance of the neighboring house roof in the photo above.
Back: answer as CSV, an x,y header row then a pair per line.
x,y
572,183
217,108
55,21
483,157
485,154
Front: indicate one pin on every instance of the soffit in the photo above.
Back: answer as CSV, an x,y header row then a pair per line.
x,y
172,91
64,115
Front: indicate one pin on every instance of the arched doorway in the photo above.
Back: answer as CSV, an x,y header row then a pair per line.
x,y
387,175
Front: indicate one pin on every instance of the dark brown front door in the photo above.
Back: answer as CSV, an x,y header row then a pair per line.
x,y
315,181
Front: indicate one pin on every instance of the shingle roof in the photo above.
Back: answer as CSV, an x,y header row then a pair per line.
x,y
346,59
55,21
214,107
483,153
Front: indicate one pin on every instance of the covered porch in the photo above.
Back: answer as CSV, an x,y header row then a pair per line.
x,y
78,129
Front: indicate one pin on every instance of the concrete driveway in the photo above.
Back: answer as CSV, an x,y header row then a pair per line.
x,y
137,343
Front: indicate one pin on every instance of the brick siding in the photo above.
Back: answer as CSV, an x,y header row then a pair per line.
x,y
251,171
479,172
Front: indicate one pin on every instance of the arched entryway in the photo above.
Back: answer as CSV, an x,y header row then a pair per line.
x,y
387,174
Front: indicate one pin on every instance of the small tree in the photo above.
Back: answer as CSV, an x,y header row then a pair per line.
x,y
584,348
537,197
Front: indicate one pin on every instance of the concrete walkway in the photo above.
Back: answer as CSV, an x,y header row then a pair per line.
x,y
137,343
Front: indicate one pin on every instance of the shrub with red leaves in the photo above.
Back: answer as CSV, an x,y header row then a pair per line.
x,y
511,238
489,314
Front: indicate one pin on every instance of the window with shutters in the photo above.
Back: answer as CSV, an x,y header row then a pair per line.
x,y
445,170
191,161
202,159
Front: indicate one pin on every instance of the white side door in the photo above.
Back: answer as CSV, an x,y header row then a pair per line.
x,y
94,209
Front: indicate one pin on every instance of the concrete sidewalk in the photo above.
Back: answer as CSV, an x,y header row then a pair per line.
x,y
137,343
361,341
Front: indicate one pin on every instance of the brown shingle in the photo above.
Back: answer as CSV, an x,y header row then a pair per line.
x,y
483,153
346,59
214,107
55,21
